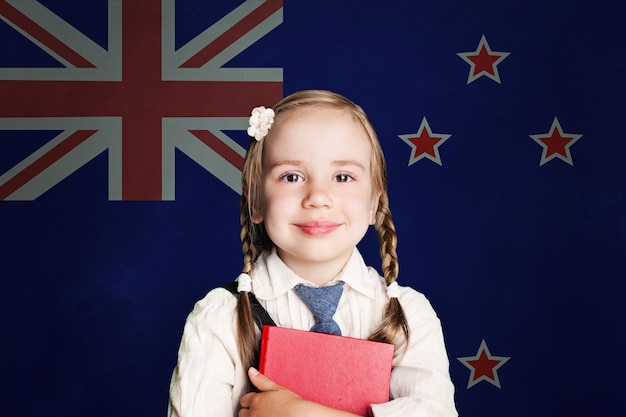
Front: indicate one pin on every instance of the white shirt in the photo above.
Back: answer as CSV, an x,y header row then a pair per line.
x,y
209,378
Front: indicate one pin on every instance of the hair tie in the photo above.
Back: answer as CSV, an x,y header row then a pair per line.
x,y
393,290
244,283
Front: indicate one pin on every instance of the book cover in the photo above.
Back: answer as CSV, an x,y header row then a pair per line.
x,y
337,371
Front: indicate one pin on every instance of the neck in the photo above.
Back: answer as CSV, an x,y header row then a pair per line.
x,y
319,273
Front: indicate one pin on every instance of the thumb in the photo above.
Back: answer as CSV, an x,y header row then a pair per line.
x,y
260,381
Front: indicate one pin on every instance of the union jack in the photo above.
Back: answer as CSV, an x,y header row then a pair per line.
x,y
139,99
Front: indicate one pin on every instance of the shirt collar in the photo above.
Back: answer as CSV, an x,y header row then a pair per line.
x,y
355,274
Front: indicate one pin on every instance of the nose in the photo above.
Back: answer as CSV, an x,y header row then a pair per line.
x,y
318,194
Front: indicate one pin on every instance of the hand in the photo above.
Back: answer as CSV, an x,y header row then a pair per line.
x,y
272,400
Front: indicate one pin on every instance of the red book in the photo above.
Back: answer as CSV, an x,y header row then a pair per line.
x,y
340,372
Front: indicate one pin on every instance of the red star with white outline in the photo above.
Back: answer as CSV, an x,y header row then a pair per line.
x,y
483,61
484,366
424,143
556,144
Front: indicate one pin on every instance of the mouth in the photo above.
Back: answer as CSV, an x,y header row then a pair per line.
x,y
317,228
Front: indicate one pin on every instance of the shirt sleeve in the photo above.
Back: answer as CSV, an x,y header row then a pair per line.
x,y
420,381
204,380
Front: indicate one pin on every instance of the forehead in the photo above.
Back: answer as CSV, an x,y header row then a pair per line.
x,y
314,131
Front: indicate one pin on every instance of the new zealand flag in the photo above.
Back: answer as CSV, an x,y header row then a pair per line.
x,y
122,137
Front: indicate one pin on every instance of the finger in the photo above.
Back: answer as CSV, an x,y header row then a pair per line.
x,y
260,381
246,400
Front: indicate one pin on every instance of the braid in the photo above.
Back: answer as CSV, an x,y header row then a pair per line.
x,y
387,239
249,249
246,330
394,319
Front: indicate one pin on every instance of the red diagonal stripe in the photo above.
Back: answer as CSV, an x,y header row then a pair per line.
x,y
44,162
220,147
43,36
226,39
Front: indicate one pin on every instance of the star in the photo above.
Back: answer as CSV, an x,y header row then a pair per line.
x,y
424,143
483,366
556,144
483,61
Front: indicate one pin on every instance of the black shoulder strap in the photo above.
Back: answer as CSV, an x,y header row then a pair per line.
x,y
261,316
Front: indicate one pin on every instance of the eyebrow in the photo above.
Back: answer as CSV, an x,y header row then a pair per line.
x,y
341,162
349,162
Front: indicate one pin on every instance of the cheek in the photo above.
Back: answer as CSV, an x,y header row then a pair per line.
x,y
275,204
362,206
367,208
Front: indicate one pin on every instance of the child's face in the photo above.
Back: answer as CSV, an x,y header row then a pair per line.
x,y
317,194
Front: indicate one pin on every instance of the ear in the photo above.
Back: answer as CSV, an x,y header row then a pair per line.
x,y
257,217
256,206
374,207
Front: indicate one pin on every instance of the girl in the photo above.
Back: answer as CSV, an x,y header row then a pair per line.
x,y
314,180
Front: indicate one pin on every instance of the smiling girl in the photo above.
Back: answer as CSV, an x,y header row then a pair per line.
x,y
314,180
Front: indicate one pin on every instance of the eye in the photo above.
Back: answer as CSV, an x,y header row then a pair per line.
x,y
292,177
343,177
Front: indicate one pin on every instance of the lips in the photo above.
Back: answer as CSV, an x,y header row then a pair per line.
x,y
317,228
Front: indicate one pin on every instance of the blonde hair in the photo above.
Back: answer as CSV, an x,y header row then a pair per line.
x,y
255,240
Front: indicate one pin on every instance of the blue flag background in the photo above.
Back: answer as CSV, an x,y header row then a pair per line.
x,y
520,247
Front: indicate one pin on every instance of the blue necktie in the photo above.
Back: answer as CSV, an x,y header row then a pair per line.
x,y
323,303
